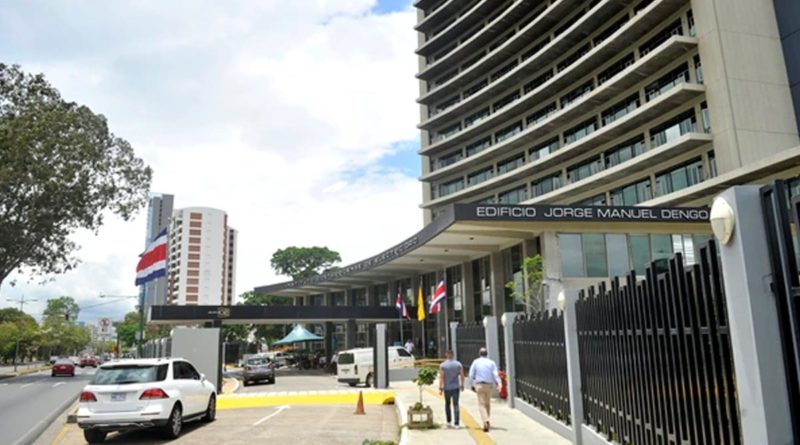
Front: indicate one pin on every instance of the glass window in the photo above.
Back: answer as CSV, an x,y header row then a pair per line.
x,y
546,185
620,109
451,187
598,200
675,77
705,117
580,131
478,146
640,252
617,254
571,255
670,30
631,194
606,33
661,246
698,69
615,68
594,251
673,129
583,170
475,117
625,151
502,103
576,94
679,178
540,115
690,23
569,60
118,374
535,48
513,196
712,164
510,164
475,88
449,159
544,149
504,70
483,175
507,132
537,82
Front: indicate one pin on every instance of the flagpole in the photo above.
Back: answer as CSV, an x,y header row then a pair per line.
x,y
400,313
447,346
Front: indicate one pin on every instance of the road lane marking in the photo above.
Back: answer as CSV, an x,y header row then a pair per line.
x,y
58,384
27,384
277,411
3,384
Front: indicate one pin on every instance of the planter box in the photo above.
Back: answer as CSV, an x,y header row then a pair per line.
x,y
420,419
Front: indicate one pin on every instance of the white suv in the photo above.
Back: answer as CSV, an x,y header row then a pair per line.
x,y
146,393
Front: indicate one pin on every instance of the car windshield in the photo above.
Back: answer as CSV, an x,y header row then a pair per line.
x,y
257,361
346,359
118,375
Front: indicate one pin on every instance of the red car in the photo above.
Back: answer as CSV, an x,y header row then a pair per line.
x,y
88,360
63,366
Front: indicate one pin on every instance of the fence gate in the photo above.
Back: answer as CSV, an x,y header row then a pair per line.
x,y
781,217
470,338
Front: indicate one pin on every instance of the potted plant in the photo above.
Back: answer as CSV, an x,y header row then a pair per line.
x,y
420,416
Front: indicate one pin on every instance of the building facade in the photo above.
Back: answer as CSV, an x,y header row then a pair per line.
x,y
159,211
556,127
201,258
613,102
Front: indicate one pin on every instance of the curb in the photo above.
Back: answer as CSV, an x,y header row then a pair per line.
x,y
24,372
257,400
402,415
42,425
235,388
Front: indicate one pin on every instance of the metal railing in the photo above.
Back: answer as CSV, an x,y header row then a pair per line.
x,y
655,356
540,363
470,338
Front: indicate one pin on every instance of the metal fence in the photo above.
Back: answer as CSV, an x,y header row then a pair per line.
x,y
501,342
655,357
540,363
470,338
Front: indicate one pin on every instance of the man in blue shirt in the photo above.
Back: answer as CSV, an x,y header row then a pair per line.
x,y
483,375
451,383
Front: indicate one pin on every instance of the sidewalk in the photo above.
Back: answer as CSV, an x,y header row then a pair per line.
x,y
22,368
508,426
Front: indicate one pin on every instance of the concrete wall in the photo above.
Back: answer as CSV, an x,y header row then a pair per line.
x,y
788,14
201,347
745,75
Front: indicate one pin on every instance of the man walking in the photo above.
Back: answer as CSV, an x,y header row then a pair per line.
x,y
451,383
409,346
482,375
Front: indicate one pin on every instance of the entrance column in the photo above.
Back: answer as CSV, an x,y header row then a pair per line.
x,y
350,334
469,293
498,284
551,265
328,342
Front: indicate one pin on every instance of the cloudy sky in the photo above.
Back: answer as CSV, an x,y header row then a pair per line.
x,y
296,117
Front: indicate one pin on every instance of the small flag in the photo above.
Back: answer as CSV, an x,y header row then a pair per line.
x,y
420,306
153,262
400,304
438,297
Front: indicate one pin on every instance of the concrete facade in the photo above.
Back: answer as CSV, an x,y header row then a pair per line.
x,y
202,257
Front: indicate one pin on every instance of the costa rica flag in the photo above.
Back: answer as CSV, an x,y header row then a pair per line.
x,y
400,304
438,297
153,262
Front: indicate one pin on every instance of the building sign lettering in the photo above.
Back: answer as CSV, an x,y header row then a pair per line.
x,y
578,213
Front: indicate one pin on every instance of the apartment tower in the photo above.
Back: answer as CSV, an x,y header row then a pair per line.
x,y
202,257
604,102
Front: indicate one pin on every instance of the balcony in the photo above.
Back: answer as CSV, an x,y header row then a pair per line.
x,y
625,170
664,104
469,18
598,98
612,46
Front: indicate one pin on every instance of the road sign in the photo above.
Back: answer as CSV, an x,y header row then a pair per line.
x,y
105,326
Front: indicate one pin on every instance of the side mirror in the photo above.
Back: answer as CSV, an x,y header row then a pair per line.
x,y
202,376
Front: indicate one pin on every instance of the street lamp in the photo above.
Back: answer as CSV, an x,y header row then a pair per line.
x,y
141,319
21,302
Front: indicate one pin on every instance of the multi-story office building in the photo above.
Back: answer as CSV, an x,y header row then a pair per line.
x,y
201,258
159,210
612,102
603,119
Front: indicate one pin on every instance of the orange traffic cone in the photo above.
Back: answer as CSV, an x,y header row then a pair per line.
x,y
360,404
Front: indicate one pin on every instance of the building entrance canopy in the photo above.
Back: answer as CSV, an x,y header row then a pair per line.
x,y
467,231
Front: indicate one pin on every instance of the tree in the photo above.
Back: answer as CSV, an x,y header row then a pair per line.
x,y
265,333
127,328
232,333
303,262
62,307
527,288
61,169
17,325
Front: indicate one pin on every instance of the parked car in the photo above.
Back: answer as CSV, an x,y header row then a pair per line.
x,y
88,360
355,366
258,369
63,366
145,393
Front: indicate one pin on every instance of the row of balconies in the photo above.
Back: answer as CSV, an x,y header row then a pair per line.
x,y
577,142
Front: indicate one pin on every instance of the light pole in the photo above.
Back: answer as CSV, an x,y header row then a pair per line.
x,y
141,319
21,300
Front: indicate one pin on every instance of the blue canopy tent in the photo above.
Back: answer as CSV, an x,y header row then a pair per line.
x,y
298,335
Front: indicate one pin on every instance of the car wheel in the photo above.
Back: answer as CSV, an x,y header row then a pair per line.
x,y
174,424
272,380
368,382
245,383
94,436
352,384
211,410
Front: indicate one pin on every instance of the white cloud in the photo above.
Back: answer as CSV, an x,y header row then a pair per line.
x,y
277,112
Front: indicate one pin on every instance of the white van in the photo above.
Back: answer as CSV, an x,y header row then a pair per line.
x,y
355,365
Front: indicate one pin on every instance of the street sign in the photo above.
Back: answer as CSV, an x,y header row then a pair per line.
x,y
105,326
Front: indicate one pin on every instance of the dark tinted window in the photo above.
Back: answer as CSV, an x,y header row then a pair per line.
x,y
403,353
184,371
117,375
346,359
258,361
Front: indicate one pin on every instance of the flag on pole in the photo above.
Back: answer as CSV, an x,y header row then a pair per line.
x,y
153,262
420,306
400,304
438,297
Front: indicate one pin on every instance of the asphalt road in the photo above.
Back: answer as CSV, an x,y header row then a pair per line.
x,y
291,379
29,402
